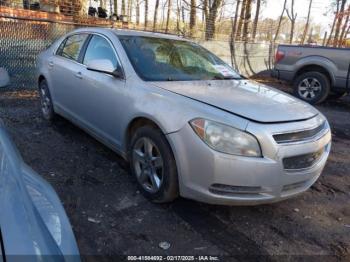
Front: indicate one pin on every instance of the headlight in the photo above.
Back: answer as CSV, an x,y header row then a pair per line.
x,y
226,139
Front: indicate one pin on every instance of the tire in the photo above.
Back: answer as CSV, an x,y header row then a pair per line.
x,y
46,102
312,87
162,166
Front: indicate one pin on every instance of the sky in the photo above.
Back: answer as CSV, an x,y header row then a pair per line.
x,y
273,9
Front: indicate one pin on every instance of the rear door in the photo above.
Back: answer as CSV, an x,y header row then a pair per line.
x,y
66,70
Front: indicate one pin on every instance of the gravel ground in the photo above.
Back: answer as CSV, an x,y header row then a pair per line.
x,y
110,217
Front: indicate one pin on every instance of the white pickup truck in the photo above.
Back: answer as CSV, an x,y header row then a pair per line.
x,y
315,72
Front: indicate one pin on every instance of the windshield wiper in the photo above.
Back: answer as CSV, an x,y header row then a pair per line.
x,y
226,78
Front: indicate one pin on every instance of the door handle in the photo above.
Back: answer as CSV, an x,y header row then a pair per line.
x,y
51,64
79,75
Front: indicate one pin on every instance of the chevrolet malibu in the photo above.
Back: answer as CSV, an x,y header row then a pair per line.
x,y
187,122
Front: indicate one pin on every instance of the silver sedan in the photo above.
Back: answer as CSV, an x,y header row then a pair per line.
x,y
187,122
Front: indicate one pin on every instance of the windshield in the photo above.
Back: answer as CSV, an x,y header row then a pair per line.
x,y
159,59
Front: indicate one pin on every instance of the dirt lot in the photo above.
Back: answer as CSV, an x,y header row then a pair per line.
x,y
110,217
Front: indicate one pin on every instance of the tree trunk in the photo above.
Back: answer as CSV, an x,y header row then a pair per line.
x,y
333,24
339,23
130,6
205,10
168,17
324,38
241,20
115,4
211,19
345,25
146,14
247,17
155,15
256,19
178,17
123,8
307,24
292,32
280,22
137,12
292,17
193,15
234,22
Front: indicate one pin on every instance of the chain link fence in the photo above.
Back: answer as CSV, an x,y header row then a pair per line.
x,y
24,33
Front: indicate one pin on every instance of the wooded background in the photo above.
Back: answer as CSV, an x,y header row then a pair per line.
x,y
235,30
238,20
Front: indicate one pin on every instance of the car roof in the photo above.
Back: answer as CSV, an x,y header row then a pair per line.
x,y
129,32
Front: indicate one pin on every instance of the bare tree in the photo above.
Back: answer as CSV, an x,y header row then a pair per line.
x,y
241,20
205,11
137,12
292,17
256,19
168,16
115,5
247,18
234,21
178,14
344,29
193,14
123,8
280,21
130,8
306,29
339,22
213,9
146,14
333,24
155,15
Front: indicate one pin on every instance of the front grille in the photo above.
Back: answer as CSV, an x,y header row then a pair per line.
x,y
300,135
302,161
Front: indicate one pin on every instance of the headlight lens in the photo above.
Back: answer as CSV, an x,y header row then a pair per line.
x,y
226,139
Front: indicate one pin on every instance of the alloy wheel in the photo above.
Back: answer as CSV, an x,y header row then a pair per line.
x,y
45,101
148,164
309,88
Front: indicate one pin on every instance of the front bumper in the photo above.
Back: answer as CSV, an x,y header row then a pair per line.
x,y
212,177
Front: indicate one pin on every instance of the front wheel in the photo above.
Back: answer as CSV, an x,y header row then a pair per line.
x,y
312,87
153,165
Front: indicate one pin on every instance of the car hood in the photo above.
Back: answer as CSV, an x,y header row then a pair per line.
x,y
245,98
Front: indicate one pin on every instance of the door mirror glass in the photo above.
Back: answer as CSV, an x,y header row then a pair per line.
x,y
104,66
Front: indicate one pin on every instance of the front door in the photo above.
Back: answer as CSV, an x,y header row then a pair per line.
x,y
105,96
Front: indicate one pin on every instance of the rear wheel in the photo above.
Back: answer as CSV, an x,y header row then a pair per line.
x,y
312,87
153,165
46,101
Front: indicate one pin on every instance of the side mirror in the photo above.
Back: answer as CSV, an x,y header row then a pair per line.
x,y
105,66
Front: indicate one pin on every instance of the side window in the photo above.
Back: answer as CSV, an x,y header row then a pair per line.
x,y
100,48
71,47
60,48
